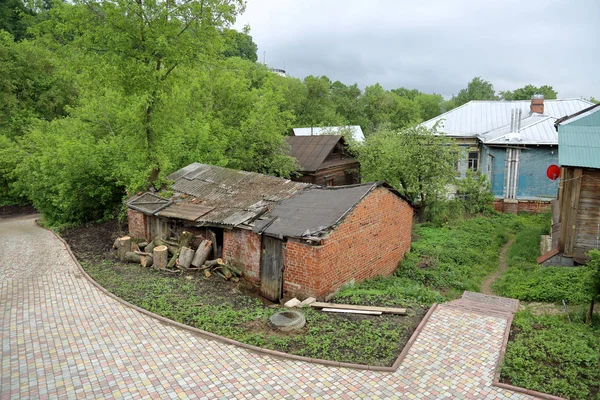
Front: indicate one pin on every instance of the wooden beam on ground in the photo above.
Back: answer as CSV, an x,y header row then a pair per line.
x,y
384,310
339,310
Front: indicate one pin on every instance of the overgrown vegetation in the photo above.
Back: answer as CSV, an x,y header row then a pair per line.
x,y
548,354
219,307
526,280
443,262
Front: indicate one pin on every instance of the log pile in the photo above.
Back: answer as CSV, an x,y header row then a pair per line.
x,y
176,255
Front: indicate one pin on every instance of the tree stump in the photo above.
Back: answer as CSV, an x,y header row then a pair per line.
x,y
202,253
160,257
185,257
124,247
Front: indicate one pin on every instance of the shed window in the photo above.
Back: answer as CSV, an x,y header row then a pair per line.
x,y
473,160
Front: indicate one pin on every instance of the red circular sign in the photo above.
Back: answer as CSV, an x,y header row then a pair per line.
x,y
553,172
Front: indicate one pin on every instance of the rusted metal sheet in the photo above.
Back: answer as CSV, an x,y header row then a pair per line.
x,y
186,211
271,268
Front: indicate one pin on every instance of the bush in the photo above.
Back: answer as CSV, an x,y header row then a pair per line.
x,y
475,191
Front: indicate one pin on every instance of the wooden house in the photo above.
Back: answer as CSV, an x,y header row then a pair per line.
x,y
579,190
324,160
289,238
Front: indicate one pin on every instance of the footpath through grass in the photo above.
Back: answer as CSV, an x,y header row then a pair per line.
x,y
546,352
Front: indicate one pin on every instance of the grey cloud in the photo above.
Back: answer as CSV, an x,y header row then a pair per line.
x,y
435,45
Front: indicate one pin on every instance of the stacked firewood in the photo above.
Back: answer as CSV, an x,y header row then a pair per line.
x,y
173,256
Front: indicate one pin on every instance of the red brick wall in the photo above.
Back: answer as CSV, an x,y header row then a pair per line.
x,y
369,242
534,206
137,224
242,248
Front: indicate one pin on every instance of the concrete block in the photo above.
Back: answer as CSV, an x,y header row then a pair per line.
x,y
292,303
308,302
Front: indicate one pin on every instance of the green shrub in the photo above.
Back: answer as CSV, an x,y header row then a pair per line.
x,y
550,355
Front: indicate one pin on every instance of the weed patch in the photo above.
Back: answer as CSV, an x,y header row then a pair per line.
x,y
548,354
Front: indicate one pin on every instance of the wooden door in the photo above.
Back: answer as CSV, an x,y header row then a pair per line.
x,y
271,268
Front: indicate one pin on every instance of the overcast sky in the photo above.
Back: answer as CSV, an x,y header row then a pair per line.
x,y
433,45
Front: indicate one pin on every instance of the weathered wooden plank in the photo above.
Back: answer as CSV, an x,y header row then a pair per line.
x,y
573,208
341,310
385,310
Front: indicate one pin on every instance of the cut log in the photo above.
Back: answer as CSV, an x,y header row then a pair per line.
x,y
202,253
173,260
206,273
213,238
220,274
214,263
149,248
161,242
116,244
235,279
185,239
225,271
186,255
234,270
160,257
142,253
340,310
131,257
385,310
146,260
142,245
124,247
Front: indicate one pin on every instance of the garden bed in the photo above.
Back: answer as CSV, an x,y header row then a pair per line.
x,y
232,310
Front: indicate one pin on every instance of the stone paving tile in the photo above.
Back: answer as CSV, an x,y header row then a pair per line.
x,y
63,338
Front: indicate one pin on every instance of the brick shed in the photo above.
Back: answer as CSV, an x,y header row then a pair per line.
x,y
291,239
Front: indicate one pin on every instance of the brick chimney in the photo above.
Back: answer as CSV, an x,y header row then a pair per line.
x,y
537,104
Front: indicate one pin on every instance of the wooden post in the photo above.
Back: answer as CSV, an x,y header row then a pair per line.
x,y
161,257
202,253
185,257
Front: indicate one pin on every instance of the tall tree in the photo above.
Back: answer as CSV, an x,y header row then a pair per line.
x,y
240,44
527,91
318,108
418,162
477,89
137,46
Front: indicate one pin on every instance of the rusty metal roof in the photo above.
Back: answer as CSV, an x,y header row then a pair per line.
x,y
311,151
212,195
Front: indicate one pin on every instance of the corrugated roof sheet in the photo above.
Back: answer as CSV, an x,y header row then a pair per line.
x,y
535,129
357,133
311,151
312,211
478,117
148,203
233,197
579,140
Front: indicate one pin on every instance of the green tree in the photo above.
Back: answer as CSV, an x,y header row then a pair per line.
x,y
318,108
594,267
347,100
12,18
418,162
240,44
527,92
476,192
477,89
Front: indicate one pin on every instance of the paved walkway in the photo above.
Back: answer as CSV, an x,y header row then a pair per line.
x,y
61,337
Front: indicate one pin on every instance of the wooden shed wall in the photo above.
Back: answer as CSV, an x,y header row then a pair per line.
x,y
579,198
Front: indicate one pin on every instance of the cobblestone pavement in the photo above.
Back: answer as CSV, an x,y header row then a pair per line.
x,y
62,337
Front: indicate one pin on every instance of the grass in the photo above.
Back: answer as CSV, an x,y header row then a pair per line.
x,y
219,307
548,354
443,262
528,281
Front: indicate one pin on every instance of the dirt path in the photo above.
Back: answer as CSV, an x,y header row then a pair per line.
x,y
486,285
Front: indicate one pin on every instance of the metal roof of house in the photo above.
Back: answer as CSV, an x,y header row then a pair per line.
x,y
535,129
311,151
481,116
313,211
357,133
579,139
211,195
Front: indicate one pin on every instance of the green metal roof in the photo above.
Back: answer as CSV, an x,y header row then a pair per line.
x,y
579,140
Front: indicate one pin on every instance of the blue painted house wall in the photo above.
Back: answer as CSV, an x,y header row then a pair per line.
x,y
533,184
